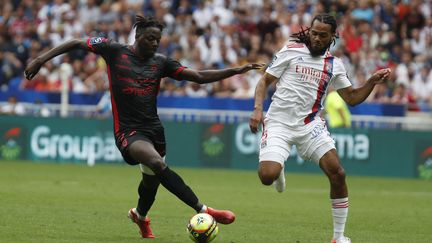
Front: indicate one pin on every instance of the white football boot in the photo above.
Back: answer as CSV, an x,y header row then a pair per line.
x,y
342,239
279,183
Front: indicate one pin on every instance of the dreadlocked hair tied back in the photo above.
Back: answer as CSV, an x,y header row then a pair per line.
x,y
142,23
303,37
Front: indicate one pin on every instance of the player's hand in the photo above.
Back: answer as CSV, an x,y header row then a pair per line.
x,y
250,66
380,76
32,69
255,120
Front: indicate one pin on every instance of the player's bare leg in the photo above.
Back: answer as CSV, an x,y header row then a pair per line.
x,y
331,166
271,172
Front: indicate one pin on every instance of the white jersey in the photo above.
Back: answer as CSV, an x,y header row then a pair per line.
x,y
303,84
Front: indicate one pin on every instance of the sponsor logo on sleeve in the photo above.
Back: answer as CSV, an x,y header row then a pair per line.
x,y
96,40
274,59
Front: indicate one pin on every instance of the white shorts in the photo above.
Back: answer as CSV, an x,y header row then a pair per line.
x,y
312,141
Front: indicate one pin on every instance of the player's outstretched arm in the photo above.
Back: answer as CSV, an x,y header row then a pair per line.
x,y
356,96
210,76
34,66
260,94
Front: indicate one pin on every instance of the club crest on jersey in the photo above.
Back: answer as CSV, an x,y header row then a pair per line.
x,y
154,68
329,68
125,143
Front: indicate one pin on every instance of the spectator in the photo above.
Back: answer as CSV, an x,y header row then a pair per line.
x,y
221,89
400,95
403,96
418,42
103,107
380,94
72,26
41,110
395,34
203,14
224,13
338,114
195,90
267,25
414,19
170,87
352,38
245,91
387,13
10,66
301,16
19,22
89,12
363,11
422,88
404,69
12,107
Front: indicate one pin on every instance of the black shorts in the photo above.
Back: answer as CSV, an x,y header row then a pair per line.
x,y
156,137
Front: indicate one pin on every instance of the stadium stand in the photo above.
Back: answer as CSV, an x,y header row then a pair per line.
x,y
216,34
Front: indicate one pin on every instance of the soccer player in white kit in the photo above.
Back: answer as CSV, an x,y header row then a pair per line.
x,y
303,71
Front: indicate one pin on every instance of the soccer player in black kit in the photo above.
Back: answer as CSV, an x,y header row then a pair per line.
x,y
135,72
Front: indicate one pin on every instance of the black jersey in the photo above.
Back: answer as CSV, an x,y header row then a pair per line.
x,y
134,83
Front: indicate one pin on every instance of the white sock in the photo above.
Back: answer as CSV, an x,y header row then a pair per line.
x,y
203,209
340,214
140,217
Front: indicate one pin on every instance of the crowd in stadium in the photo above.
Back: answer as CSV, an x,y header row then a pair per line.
x,y
221,33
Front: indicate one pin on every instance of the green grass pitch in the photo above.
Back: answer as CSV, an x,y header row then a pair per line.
x,y
45,202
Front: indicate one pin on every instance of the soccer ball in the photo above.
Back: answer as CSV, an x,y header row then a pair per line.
x,y
202,228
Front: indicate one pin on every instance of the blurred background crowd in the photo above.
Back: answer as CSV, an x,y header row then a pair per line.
x,y
213,34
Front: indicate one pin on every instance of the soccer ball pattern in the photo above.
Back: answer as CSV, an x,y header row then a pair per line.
x,y
202,228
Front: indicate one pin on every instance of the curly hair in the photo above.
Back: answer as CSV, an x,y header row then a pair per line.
x,y
141,23
303,35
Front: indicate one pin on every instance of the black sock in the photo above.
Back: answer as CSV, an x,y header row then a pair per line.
x,y
147,190
175,184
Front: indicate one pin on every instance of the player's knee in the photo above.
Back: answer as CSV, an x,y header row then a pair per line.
x,y
266,178
157,164
338,176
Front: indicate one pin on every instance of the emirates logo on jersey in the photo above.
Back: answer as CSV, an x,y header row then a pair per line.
x,y
309,71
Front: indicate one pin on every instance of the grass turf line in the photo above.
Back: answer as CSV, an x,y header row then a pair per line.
x,y
45,202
